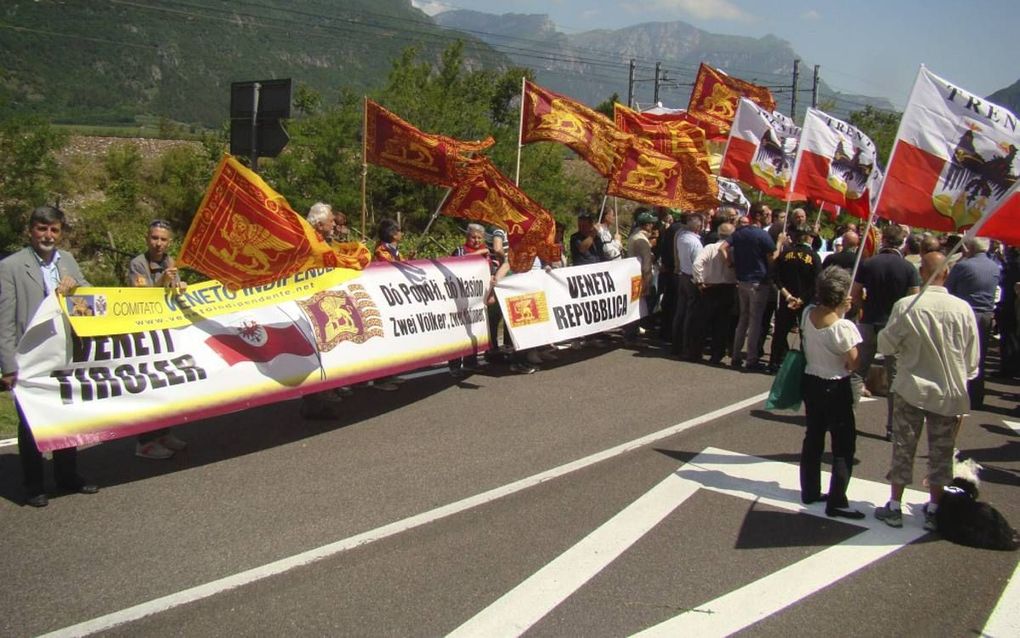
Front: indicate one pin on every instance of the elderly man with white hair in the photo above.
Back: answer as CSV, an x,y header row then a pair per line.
x,y
320,216
975,279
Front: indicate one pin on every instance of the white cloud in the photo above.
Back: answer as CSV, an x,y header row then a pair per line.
x,y
701,9
431,7
811,14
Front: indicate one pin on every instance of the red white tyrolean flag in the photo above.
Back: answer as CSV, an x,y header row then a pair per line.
x,y
761,149
252,341
954,165
836,164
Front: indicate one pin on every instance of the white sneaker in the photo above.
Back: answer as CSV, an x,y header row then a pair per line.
x,y
172,443
153,450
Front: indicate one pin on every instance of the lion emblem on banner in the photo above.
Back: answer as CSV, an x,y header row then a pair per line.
x,y
528,309
339,316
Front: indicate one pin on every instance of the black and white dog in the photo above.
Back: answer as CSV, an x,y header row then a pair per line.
x,y
964,520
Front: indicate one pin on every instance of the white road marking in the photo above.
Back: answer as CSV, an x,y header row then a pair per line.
x,y
529,602
778,484
749,477
199,592
1013,425
1005,619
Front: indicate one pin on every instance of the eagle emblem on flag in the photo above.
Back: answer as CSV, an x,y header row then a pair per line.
x,y
849,174
976,176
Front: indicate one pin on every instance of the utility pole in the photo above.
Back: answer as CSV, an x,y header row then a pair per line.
x,y
255,88
793,94
630,85
814,89
655,98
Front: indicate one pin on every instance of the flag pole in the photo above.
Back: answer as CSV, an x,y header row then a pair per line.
x,y
520,135
860,247
364,163
436,213
602,209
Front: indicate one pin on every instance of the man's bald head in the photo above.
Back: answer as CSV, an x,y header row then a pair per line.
x,y
932,262
851,240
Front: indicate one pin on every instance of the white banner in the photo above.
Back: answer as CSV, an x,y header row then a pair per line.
x,y
387,319
566,303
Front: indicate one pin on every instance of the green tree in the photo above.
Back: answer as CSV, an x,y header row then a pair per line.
x,y
606,107
323,160
880,126
29,174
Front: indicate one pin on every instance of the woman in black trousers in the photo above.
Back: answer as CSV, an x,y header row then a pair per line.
x,y
829,342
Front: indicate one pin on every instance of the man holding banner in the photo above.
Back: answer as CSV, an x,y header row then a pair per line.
x,y
155,267
26,278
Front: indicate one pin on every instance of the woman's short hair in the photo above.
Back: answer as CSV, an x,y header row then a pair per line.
x,y
832,286
475,228
388,229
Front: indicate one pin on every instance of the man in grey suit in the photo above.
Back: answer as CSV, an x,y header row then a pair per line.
x,y
26,278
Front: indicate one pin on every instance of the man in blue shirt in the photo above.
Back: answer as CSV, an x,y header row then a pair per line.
x,y
974,279
751,251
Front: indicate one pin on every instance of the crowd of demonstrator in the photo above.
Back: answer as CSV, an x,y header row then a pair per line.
x,y
714,284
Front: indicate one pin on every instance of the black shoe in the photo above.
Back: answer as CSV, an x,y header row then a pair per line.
x,y
39,500
758,367
457,373
79,485
807,500
843,512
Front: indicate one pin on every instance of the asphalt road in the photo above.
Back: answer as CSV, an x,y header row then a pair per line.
x,y
555,504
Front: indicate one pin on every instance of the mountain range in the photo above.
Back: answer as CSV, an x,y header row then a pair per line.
x,y
111,61
592,65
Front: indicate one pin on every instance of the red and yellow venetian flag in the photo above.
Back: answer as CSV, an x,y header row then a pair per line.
x,y
954,164
761,149
836,164
397,145
246,234
551,117
645,175
673,136
487,196
715,97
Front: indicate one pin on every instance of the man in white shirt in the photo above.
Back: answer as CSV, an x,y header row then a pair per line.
x,y
715,312
935,341
687,245
607,240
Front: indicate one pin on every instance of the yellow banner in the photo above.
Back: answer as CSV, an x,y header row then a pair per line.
x,y
109,311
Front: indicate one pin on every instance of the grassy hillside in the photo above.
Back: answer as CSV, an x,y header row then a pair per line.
x,y
104,62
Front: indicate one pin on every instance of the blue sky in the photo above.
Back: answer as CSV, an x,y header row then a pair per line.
x,y
872,47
